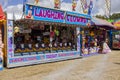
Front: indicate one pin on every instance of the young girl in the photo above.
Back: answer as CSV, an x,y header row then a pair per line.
x,y
106,48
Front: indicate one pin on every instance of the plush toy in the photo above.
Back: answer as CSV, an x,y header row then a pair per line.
x,y
85,51
57,3
56,32
74,5
97,49
92,33
18,51
52,34
91,50
16,29
36,2
85,11
36,47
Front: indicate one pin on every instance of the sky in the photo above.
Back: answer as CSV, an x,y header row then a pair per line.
x,y
16,6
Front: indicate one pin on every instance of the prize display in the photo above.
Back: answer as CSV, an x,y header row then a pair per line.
x,y
92,40
43,40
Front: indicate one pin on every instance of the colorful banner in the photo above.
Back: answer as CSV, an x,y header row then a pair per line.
x,y
75,18
25,59
42,57
63,55
51,56
44,14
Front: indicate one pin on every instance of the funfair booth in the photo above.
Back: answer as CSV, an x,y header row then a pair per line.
x,y
44,35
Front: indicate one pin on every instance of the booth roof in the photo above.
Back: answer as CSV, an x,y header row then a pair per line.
x,y
102,23
2,15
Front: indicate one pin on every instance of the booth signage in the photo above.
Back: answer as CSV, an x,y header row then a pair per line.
x,y
44,14
74,18
25,59
51,56
67,54
42,57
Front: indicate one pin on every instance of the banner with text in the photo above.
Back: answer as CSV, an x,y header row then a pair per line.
x,y
44,14
76,18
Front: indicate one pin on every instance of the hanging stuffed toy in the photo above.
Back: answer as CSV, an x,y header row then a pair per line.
x,y
57,4
92,33
56,32
52,35
74,5
36,2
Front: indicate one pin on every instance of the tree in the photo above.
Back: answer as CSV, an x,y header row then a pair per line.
x,y
111,17
100,16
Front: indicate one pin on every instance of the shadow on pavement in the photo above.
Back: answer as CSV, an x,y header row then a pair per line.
x,y
117,63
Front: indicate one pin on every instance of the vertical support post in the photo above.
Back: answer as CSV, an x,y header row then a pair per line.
x,y
78,39
51,39
10,44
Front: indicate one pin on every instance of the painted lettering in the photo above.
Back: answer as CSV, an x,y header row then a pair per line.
x,y
51,56
47,13
75,19
16,60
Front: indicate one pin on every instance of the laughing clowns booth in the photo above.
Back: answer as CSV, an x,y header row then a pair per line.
x,y
44,35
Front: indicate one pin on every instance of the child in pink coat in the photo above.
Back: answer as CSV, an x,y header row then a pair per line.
x,y
106,48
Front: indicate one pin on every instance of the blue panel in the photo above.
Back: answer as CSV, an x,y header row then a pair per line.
x,y
76,18
44,14
79,15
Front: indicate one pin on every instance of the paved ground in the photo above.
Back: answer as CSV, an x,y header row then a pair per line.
x,y
99,67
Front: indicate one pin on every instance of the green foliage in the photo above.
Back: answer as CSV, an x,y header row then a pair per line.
x,y
112,17
115,16
100,16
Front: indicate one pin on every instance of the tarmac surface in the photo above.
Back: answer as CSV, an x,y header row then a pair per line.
x,y
97,67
